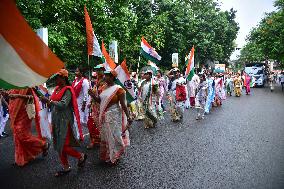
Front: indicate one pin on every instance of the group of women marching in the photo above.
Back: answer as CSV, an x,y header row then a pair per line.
x,y
100,102
201,91
100,105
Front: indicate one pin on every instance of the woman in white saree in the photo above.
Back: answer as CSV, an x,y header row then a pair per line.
x,y
114,118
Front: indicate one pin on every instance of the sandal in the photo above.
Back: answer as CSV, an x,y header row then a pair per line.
x,y
62,172
45,150
81,163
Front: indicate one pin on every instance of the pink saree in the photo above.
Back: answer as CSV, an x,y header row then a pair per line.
x,y
27,146
247,82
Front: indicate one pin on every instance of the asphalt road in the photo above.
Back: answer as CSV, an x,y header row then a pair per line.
x,y
240,145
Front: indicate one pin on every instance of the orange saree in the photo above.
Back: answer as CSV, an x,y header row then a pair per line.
x,y
27,146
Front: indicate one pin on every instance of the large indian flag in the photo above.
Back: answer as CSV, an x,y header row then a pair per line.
x,y
123,79
92,41
25,60
149,52
189,72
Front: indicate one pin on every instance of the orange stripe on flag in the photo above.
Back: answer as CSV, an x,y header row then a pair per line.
x,y
32,50
109,60
124,67
89,32
190,60
146,43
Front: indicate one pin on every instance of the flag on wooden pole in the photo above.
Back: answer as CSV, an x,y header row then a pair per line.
x,y
25,60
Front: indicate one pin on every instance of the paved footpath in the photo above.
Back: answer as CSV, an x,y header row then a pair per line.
x,y
240,145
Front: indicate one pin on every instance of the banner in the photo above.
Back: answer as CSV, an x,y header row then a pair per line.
x,y
220,68
175,60
113,51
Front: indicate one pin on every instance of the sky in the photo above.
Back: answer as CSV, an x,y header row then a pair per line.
x,y
249,14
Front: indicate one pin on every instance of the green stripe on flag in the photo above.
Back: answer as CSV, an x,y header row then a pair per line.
x,y
129,98
190,75
6,85
149,57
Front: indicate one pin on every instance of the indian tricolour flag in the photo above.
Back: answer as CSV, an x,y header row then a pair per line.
x,y
189,72
25,60
149,52
123,79
92,41
154,66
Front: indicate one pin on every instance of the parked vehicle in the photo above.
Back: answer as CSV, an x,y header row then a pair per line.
x,y
256,70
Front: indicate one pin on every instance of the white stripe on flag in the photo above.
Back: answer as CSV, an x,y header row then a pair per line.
x,y
96,47
14,70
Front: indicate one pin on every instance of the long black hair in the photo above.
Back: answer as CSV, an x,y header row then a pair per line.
x,y
82,69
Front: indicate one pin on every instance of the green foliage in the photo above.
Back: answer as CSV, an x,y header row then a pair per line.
x,y
169,26
267,39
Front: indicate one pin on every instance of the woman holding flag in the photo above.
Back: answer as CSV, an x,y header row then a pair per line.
x,y
114,118
95,127
66,126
